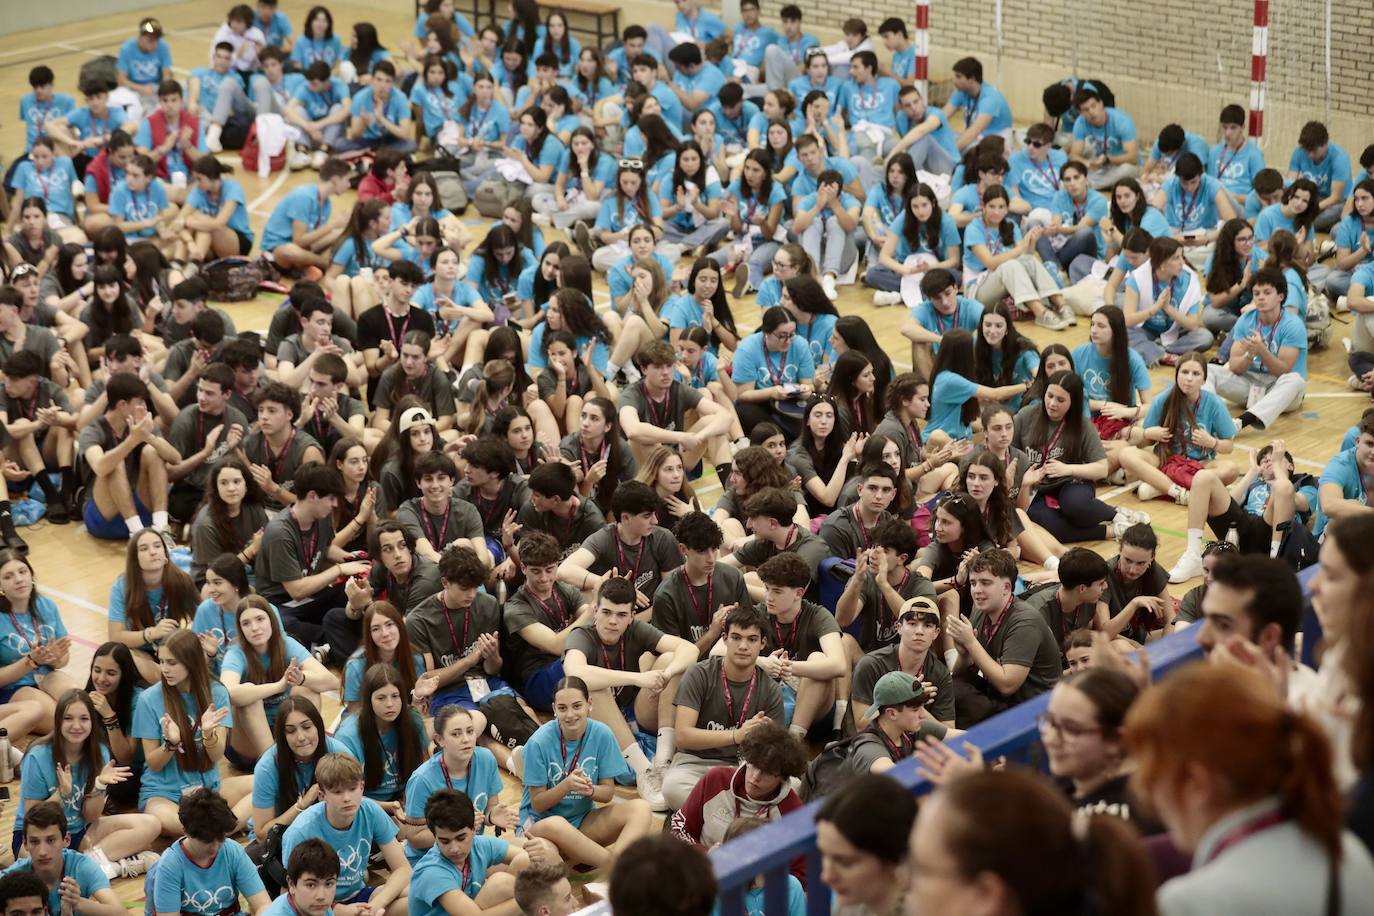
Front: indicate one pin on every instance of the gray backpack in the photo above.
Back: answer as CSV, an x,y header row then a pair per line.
x,y
452,195
494,195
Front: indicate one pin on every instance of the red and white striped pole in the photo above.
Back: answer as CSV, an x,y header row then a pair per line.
x,y
923,46
1259,56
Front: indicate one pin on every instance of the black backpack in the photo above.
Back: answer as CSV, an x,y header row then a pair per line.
x,y
830,768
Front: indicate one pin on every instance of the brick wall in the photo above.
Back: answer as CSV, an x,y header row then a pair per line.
x,y
1180,63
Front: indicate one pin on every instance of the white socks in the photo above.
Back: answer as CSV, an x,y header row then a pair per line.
x,y
797,731
1175,491
1274,547
667,746
841,707
634,756
1194,540
1051,564
160,520
134,524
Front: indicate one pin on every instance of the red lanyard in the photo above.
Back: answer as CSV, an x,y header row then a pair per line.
x,y
587,461
28,412
729,700
900,750
448,779
791,536
438,538
606,656
459,647
620,555
1181,443
397,336
1079,210
308,553
914,433
863,532
278,461
791,636
939,318
31,643
563,751
883,609
857,406
1054,440
1048,171
994,236
488,514
781,375
1273,332
1243,832
554,613
989,629
1224,164
655,418
703,610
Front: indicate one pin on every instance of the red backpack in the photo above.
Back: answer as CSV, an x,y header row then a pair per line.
x,y
250,152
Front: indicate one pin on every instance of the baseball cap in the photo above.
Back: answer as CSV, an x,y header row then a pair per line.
x,y
919,607
896,688
23,270
150,26
414,416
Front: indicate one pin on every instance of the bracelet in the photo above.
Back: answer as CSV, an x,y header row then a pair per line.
x,y
171,748
111,723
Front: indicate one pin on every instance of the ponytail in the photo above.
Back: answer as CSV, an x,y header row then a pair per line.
x,y
497,375
1115,867
1307,787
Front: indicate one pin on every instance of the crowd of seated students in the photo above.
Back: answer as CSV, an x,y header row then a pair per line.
x,y
456,487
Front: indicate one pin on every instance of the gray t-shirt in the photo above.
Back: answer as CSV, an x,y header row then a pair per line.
x,y
172,332
700,690
1023,461
586,520
898,432
459,520
98,432
845,534
206,543
447,634
1120,594
188,434
669,414
283,464
753,552
1024,638
685,610
644,563
289,554
46,394
878,622
523,610
93,393
422,582
434,390
514,493
292,349
37,340
287,321
1062,621
1083,448
933,671
639,637
802,637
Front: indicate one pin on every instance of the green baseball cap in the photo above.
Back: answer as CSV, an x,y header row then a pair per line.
x,y
896,688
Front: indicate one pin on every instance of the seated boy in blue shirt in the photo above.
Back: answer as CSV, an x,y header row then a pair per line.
x,y
312,880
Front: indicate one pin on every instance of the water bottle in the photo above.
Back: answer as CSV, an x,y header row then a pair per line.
x,y
6,767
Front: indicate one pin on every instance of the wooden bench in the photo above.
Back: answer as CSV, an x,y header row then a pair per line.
x,y
597,19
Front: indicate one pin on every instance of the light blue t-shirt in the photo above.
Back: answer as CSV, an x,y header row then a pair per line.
x,y
223,625
83,869
978,233
396,108
989,101
38,782
1192,143
267,782
1034,181
1212,416
490,123
548,759
754,904
390,786
229,190
465,28
1288,331
1335,166
943,135
356,666
1235,169
135,206
1272,219
889,207
172,780
875,103
82,124
1094,206
601,354
210,82
437,106
749,45
276,30
1196,211
751,207
371,826
816,335
305,205
54,186
318,104
20,634
308,50
967,314
1111,138
144,68
1364,277
1347,235
1160,321
236,660
704,28
493,284
949,238
1343,470
947,398
704,374
708,79
685,220
481,783
616,214
805,183
36,115
434,875
427,298
181,886
755,363
1096,372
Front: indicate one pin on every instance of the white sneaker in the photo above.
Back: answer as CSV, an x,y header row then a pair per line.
x,y
318,159
541,219
110,870
1180,497
517,762
297,159
1050,321
1145,492
883,298
133,866
1189,566
212,138
1342,304
1125,518
828,284
1117,478
650,785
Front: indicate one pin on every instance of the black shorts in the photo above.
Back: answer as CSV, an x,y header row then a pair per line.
x,y
245,243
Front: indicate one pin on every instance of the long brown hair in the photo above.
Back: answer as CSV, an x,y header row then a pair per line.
x,y
404,662
179,592
90,749
186,649
1094,865
653,463
410,744
497,375
287,792
276,644
1178,411
1235,724
219,512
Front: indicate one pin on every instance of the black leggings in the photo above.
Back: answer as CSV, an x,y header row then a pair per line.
x,y
752,413
1081,516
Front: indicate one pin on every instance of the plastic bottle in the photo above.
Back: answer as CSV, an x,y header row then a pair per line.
x,y
6,768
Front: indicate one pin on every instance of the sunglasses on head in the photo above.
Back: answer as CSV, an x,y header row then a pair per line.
x,y
1037,144
637,164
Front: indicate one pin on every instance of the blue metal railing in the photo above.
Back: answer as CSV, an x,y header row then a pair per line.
x,y
769,850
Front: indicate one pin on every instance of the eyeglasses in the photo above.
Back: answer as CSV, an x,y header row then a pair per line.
x,y
632,164
782,336
1070,730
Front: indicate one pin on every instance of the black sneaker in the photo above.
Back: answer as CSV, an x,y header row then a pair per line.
x,y
1248,419
57,512
583,236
